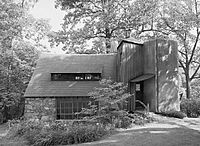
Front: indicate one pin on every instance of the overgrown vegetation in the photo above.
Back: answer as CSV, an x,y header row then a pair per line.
x,y
191,107
20,44
38,133
107,111
175,114
108,103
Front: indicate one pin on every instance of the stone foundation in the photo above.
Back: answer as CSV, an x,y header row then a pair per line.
x,y
40,108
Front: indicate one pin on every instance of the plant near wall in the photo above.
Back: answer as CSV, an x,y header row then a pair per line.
x,y
191,107
108,103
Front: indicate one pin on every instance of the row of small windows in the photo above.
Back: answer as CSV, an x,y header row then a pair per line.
x,y
75,76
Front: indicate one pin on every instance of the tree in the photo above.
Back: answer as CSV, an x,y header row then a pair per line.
x,y
100,21
20,35
182,19
108,102
178,20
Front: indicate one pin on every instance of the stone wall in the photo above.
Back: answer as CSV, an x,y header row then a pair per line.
x,y
40,108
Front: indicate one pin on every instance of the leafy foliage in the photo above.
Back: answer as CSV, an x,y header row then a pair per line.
x,y
138,118
100,22
20,35
108,102
58,133
195,89
182,21
191,107
175,114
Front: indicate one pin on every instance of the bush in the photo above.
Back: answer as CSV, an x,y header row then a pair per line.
x,y
123,122
1,118
21,128
39,133
140,118
175,114
74,135
191,107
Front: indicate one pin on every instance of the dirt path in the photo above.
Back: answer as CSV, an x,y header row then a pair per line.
x,y
166,132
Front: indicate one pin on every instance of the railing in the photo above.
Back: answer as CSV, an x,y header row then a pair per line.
x,y
145,106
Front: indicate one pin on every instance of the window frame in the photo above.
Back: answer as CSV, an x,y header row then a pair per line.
x,y
75,76
61,113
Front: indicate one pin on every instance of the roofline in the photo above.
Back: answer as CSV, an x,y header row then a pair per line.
x,y
51,54
29,96
130,41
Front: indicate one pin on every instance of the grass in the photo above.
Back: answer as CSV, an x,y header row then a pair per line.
x,y
5,140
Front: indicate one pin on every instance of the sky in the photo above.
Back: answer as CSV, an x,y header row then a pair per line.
x,y
46,9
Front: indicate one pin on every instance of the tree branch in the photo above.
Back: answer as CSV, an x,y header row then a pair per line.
x,y
194,47
182,65
194,74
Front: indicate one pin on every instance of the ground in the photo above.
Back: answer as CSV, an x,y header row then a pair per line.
x,y
164,132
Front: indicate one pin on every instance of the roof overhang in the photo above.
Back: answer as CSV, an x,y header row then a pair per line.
x,y
130,40
142,78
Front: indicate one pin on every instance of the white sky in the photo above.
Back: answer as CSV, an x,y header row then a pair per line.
x,y
46,9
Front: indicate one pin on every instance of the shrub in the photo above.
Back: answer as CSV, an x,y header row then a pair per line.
x,y
123,122
1,118
108,103
22,128
75,134
140,118
38,133
191,107
175,114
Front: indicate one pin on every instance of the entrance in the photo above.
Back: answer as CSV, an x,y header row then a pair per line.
x,y
141,89
139,95
136,88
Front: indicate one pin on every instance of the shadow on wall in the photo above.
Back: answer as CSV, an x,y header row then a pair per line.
x,y
168,76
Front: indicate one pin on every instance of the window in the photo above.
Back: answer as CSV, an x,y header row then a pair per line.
x,y
137,87
68,107
75,76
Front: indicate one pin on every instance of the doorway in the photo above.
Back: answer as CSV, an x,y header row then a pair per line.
x,y
139,95
136,88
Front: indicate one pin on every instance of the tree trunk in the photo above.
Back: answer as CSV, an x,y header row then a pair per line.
x,y
187,79
108,46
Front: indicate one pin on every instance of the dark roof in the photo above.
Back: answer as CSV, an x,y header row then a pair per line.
x,y
79,68
142,77
132,41
42,86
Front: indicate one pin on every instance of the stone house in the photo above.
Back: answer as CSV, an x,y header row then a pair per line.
x,y
60,84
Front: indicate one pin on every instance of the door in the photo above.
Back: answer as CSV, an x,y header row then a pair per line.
x,y
139,93
131,101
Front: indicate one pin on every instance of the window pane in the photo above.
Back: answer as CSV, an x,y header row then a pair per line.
x,y
62,110
96,77
62,117
75,108
79,77
88,76
80,106
67,107
62,105
68,116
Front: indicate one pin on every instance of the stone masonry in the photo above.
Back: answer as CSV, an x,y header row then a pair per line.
x,y
40,108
